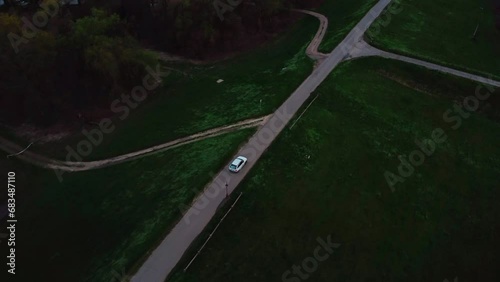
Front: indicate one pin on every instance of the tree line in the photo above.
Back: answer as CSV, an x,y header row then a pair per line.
x,y
88,52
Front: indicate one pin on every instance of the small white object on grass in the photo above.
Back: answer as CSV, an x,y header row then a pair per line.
x,y
220,80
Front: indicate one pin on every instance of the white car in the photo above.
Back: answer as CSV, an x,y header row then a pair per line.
x,y
238,164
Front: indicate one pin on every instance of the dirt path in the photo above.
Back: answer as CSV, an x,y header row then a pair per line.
x,y
173,58
312,49
42,161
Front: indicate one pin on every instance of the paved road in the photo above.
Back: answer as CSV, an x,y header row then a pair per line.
x,y
165,257
363,49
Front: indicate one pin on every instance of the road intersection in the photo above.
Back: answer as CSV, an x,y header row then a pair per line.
x,y
169,252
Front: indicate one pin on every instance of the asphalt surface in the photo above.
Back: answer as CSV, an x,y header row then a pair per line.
x,y
363,49
166,256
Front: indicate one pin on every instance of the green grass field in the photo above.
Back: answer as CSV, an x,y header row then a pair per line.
x,y
193,103
440,31
98,224
442,222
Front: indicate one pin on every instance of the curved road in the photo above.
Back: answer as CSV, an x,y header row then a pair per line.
x,y
166,256
312,49
46,162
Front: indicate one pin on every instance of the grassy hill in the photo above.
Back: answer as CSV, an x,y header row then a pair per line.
x,y
325,177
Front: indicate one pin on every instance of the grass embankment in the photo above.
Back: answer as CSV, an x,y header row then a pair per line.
x,y
342,17
193,103
326,177
96,224
441,31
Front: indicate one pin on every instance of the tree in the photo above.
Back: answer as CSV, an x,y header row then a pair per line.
x,y
24,90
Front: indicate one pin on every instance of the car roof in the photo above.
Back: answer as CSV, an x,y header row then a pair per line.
x,y
237,161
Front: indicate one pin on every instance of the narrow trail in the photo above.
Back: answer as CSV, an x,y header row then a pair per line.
x,y
173,58
312,49
46,162
363,49
42,161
